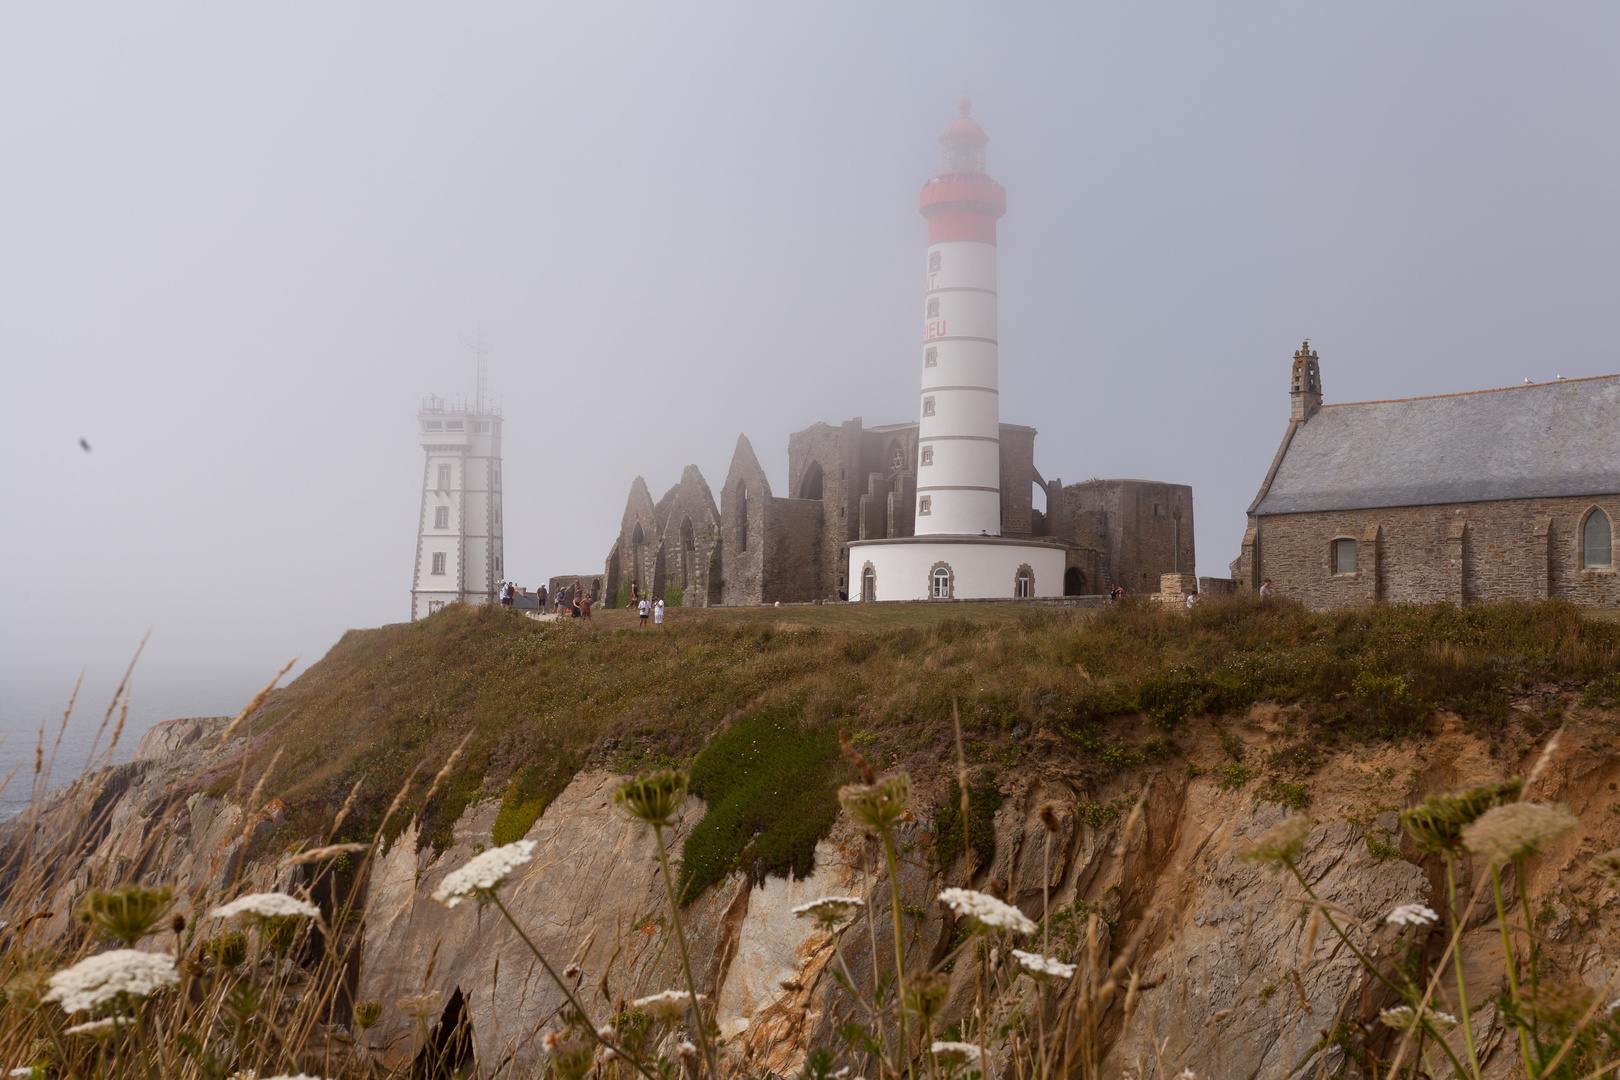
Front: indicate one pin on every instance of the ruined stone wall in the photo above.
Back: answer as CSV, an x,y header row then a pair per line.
x,y
744,509
835,454
794,568
1017,479
1145,528
691,524
1458,553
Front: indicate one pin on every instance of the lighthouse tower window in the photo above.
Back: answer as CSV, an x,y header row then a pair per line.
x,y
931,358
933,307
438,562
928,455
444,478
925,506
934,259
928,406
441,517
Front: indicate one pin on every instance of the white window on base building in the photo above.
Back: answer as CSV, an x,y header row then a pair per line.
x,y
441,517
438,562
942,583
1024,583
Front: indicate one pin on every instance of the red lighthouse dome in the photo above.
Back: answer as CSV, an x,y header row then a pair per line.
x,y
962,203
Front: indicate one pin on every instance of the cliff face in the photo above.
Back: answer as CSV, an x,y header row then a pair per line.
x,y
1223,941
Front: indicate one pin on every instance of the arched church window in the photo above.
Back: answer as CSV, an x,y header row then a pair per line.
x,y
687,540
1597,541
811,486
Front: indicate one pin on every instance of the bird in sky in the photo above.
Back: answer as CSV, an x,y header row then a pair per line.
x,y
84,444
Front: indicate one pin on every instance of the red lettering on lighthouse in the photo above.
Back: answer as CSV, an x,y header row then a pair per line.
x,y
933,329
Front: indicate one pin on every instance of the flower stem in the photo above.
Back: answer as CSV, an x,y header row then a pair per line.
x,y
1507,960
686,961
902,1059
1456,956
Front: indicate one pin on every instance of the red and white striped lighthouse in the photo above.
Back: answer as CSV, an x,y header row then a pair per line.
x,y
959,467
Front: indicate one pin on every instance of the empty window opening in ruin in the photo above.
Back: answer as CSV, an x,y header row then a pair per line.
x,y
931,358
444,478
742,516
942,583
928,406
1344,556
897,456
811,486
933,307
1074,582
441,517
636,537
928,455
934,260
438,562
1597,541
925,506
688,541
1024,583
868,583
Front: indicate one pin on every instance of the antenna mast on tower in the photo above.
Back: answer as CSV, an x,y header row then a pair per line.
x,y
482,353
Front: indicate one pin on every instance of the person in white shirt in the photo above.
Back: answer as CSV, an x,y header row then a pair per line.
x,y
643,608
658,612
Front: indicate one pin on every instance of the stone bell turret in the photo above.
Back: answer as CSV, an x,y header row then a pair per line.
x,y
1305,388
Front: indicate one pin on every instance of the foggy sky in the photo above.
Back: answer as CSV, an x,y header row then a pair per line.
x,y
239,243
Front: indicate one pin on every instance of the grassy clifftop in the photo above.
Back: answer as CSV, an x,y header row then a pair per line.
x,y
753,699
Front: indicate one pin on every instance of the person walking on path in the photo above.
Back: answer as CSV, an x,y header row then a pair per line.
x,y
658,612
643,609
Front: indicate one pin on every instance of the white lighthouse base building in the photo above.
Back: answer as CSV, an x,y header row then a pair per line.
x,y
956,568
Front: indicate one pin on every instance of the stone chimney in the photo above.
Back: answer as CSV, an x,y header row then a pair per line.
x,y
1306,387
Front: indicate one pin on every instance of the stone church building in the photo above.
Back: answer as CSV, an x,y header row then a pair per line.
x,y
1458,498
851,482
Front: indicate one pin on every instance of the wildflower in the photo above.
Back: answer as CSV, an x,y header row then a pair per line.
x,y
97,1028
880,805
987,910
925,994
367,1013
1039,965
571,971
1607,865
1187,1074
669,1005
1615,1004
1401,1017
1281,844
654,798
421,1005
686,1051
1411,915
606,1032
483,874
122,973
830,912
956,1051
1505,833
125,914
1053,816
552,1041
266,906
28,1070
1438,821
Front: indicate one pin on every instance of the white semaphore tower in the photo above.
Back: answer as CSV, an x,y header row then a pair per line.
x,y
958,551
459,534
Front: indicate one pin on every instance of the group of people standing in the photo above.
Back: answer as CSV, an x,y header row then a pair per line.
x,y
575,602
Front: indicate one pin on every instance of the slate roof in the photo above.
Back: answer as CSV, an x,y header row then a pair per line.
x,y
1522,442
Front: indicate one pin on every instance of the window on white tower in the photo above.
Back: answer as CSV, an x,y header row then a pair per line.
x,y
438,562
934,260
444,478
925,506
928,455
441,517
933,307
928,406
931,358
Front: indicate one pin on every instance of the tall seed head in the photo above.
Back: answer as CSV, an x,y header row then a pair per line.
x,y
880,805
1280,845
1438,821
924,993
127,913
654,798
1505,833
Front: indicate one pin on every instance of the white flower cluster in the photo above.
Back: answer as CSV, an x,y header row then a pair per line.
x,y
484,873
110,976
1412,915
1401,1017
266,905
830,910
98,1028
960,1051
1044,965
987,910
669,1005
